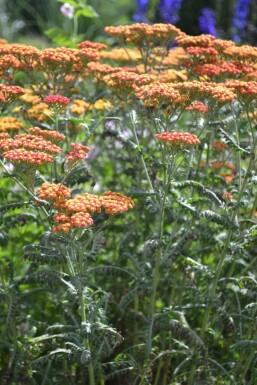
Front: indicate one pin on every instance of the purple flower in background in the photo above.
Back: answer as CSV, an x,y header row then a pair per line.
x,y
169,10
67,10
207,21
139,16
242,9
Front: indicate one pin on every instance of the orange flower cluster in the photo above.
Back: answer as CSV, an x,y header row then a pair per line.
x,y
20,56
197,106
154,95
209,90
178,139
246,91
56,100
116,203
142,34
30,142
79,153
80,107
52,136
9,93
227,196
66,59
9,123
53,192
86,202
34,158
28,148
203,41
93,45
121,82
122,55
218,145
76,212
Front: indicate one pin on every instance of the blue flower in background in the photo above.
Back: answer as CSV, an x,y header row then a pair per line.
x,y
242,9
169,10
207,21
139,16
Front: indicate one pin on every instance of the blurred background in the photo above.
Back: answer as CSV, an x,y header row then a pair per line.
x,y
61,22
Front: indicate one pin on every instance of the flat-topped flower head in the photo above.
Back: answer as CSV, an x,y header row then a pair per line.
x,y
79,152
9,123
93,45
56,100
197,106
52,136
32,142
21,155
178,139
81,220
63,227
115,203
85,203
227,196
53,192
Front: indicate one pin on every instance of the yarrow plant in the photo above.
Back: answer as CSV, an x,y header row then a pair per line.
x,y
128,210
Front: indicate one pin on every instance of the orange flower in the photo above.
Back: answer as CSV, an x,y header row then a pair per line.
x,y
81,220
227,196
85,203
52,191
116,203
52,136
178,139
21,155
56,100
218,145
197,106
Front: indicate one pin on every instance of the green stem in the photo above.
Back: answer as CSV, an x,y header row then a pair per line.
x,y
223,256
141,156
84,320
158,373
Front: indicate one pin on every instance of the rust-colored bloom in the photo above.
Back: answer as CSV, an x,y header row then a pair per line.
x,y
56,100
218,145
81,220
53,192
63,227
227,196
93,45
197,106
85,203
22,155
115,203
52,136
178,139
9,123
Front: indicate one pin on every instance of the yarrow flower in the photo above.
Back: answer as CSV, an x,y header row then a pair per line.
x,y
218,145
115,203
52,136
197,106
178,139
227,196
87,203
67,10
80,152
22,155
56,99
76,212
53,192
